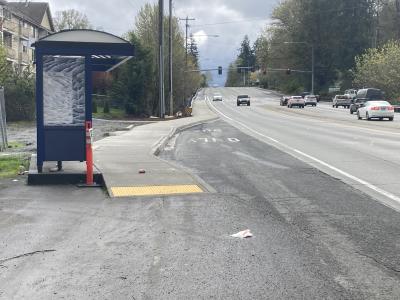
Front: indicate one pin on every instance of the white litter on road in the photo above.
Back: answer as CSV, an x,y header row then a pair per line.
x,y
243,234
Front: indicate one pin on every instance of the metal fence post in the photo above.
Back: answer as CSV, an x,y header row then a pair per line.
x,y
3,121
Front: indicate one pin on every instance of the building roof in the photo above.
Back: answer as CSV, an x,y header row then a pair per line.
x,y
33,11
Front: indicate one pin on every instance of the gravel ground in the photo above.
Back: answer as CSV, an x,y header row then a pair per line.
x,y
24,133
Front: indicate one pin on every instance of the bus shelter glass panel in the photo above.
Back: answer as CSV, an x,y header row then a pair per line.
x,y
63,90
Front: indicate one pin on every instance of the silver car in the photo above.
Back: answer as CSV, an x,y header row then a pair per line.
x,y
376,110
310,100
217,97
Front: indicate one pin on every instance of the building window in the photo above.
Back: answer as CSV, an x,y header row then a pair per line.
x,y
7,39
34,33
7,14
24,46
33,54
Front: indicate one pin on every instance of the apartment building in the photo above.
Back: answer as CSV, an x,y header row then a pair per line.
x,y
21,24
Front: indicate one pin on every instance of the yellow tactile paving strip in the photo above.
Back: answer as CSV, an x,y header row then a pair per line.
x,y
130,191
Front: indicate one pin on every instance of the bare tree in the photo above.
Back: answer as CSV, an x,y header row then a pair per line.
x,y
71,19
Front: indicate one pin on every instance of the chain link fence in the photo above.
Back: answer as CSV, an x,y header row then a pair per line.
x,y
3,123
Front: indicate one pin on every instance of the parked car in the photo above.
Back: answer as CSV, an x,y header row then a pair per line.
x,y
341,100
376,109
296,101
243,99
352,94
284,100
365,95
310,100
217,97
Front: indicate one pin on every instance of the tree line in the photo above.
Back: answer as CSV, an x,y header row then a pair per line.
x,y
352,41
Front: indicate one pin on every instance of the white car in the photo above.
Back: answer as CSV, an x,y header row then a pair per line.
x,y
296,101
310,100
217,97
376,109
341,100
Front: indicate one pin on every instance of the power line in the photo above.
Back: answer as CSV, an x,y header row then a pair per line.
x,y
230,22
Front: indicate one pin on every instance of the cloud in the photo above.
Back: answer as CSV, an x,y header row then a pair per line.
x,y
200,37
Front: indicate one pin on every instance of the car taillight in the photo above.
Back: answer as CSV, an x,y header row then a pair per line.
x,y
375,108
390,108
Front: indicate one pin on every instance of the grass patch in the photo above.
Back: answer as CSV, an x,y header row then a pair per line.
x,y
115,113
15,145
10,165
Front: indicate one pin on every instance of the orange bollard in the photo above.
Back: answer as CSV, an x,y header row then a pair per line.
x,y
89,153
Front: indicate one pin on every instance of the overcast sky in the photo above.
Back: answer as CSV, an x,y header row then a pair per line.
x,y
117,16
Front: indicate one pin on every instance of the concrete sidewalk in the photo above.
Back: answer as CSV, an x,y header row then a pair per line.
x,y
120,158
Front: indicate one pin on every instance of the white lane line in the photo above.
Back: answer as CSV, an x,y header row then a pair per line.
x,y
343,173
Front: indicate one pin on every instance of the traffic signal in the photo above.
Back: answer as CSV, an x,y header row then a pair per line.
x,y
219,70
288,71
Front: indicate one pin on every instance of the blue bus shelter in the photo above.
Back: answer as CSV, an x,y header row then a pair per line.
x,y
64,65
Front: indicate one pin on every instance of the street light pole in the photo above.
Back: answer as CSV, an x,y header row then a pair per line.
x,y
161,57
171,95
312,70
187,19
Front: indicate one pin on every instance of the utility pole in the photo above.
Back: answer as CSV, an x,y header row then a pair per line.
x,y
161,57
312,69
187,19
171,94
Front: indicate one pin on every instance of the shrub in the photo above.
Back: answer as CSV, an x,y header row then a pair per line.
x,y
19,93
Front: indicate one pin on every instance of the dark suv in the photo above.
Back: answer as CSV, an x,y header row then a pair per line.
x,y
243,99
365,95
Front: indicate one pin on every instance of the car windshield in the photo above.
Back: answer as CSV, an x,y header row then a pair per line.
x,y
243,96
341,97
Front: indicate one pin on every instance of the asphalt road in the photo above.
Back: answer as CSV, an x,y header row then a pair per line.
x,y
326,239
361,153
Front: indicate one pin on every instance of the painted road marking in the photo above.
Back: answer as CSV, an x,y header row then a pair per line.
x,y
213,140
131,191
233,140
318,161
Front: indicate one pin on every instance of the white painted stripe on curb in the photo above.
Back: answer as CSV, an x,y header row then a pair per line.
x,y
343,173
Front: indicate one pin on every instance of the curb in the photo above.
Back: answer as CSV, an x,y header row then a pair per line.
x,y
162,142
156,149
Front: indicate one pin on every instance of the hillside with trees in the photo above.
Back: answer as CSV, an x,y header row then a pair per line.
x,y
340,31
